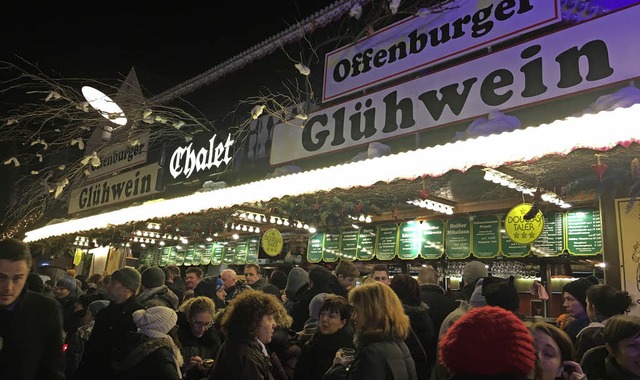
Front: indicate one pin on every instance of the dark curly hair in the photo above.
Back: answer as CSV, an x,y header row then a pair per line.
x,y
245,312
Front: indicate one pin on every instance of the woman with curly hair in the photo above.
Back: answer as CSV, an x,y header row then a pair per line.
x,y
248,324
381,328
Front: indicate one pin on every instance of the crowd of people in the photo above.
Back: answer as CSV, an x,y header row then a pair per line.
x,y
305,323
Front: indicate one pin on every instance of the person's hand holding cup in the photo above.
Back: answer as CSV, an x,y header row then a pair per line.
x,y
345,356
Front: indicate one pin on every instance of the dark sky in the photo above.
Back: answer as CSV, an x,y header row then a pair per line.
x,y
166,42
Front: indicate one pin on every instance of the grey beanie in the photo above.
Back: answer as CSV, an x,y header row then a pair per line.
x,y
128,277
96,306
152,278
473,271
316,304
297,278
68,283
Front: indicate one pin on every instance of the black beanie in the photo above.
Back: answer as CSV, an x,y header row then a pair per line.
x,y
578,288
152,278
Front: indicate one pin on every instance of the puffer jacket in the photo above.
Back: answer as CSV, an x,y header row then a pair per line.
x,y
158,296
147,358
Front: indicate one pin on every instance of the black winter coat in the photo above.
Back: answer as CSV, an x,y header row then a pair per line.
x,y
241,359
377,359
423,341
207,346
439,304
318,353
113,325
146,358
32,339
598,364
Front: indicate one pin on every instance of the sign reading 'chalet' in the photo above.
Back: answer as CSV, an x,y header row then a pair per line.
x,y
586,56
422,41
187,160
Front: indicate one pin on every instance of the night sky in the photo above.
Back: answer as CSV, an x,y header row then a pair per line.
x,y
167,43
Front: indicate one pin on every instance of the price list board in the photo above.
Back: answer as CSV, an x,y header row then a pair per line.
x,y
229,253
164,256
486,236
240,256
410,240
188,257
197,254
253,250
215,253
458,238
509,248
432,246
314,249
551,240
179,255
584,232
349,244
366,243
387,241
331,248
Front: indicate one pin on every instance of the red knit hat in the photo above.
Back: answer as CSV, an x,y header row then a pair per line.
x,y
488,341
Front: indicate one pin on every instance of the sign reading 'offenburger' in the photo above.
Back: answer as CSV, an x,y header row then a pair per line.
x,y
419,42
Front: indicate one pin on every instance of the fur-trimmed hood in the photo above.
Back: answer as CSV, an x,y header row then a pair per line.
x,y
142,347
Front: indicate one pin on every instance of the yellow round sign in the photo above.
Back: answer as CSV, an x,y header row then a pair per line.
x,y
272,242
520,230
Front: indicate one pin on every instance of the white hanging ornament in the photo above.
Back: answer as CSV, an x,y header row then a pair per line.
x,y
13,161
356,11
79,142
304,70
393,6
257,111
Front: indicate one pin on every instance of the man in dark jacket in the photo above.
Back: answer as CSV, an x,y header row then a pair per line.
x,y
30,323
112,326
319,277
433,295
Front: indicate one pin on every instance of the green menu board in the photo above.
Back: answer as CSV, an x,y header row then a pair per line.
x,y
366,243
486,236
584,232
331,248
241,252
253,250
314,249
214,255
387,241
458,238
410,240
229,253
432,239
551,240
188,257
164,257
197,254
180,252
508,247
349,244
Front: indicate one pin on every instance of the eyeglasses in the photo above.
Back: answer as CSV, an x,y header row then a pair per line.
x,y
205,325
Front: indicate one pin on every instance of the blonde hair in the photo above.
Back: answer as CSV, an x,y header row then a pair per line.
x,y
380,311
197,305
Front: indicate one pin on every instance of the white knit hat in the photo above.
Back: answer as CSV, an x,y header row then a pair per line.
x,y
155,322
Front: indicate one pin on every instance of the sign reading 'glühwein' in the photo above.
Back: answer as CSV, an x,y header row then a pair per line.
x,y
432,239
585,56
410,240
